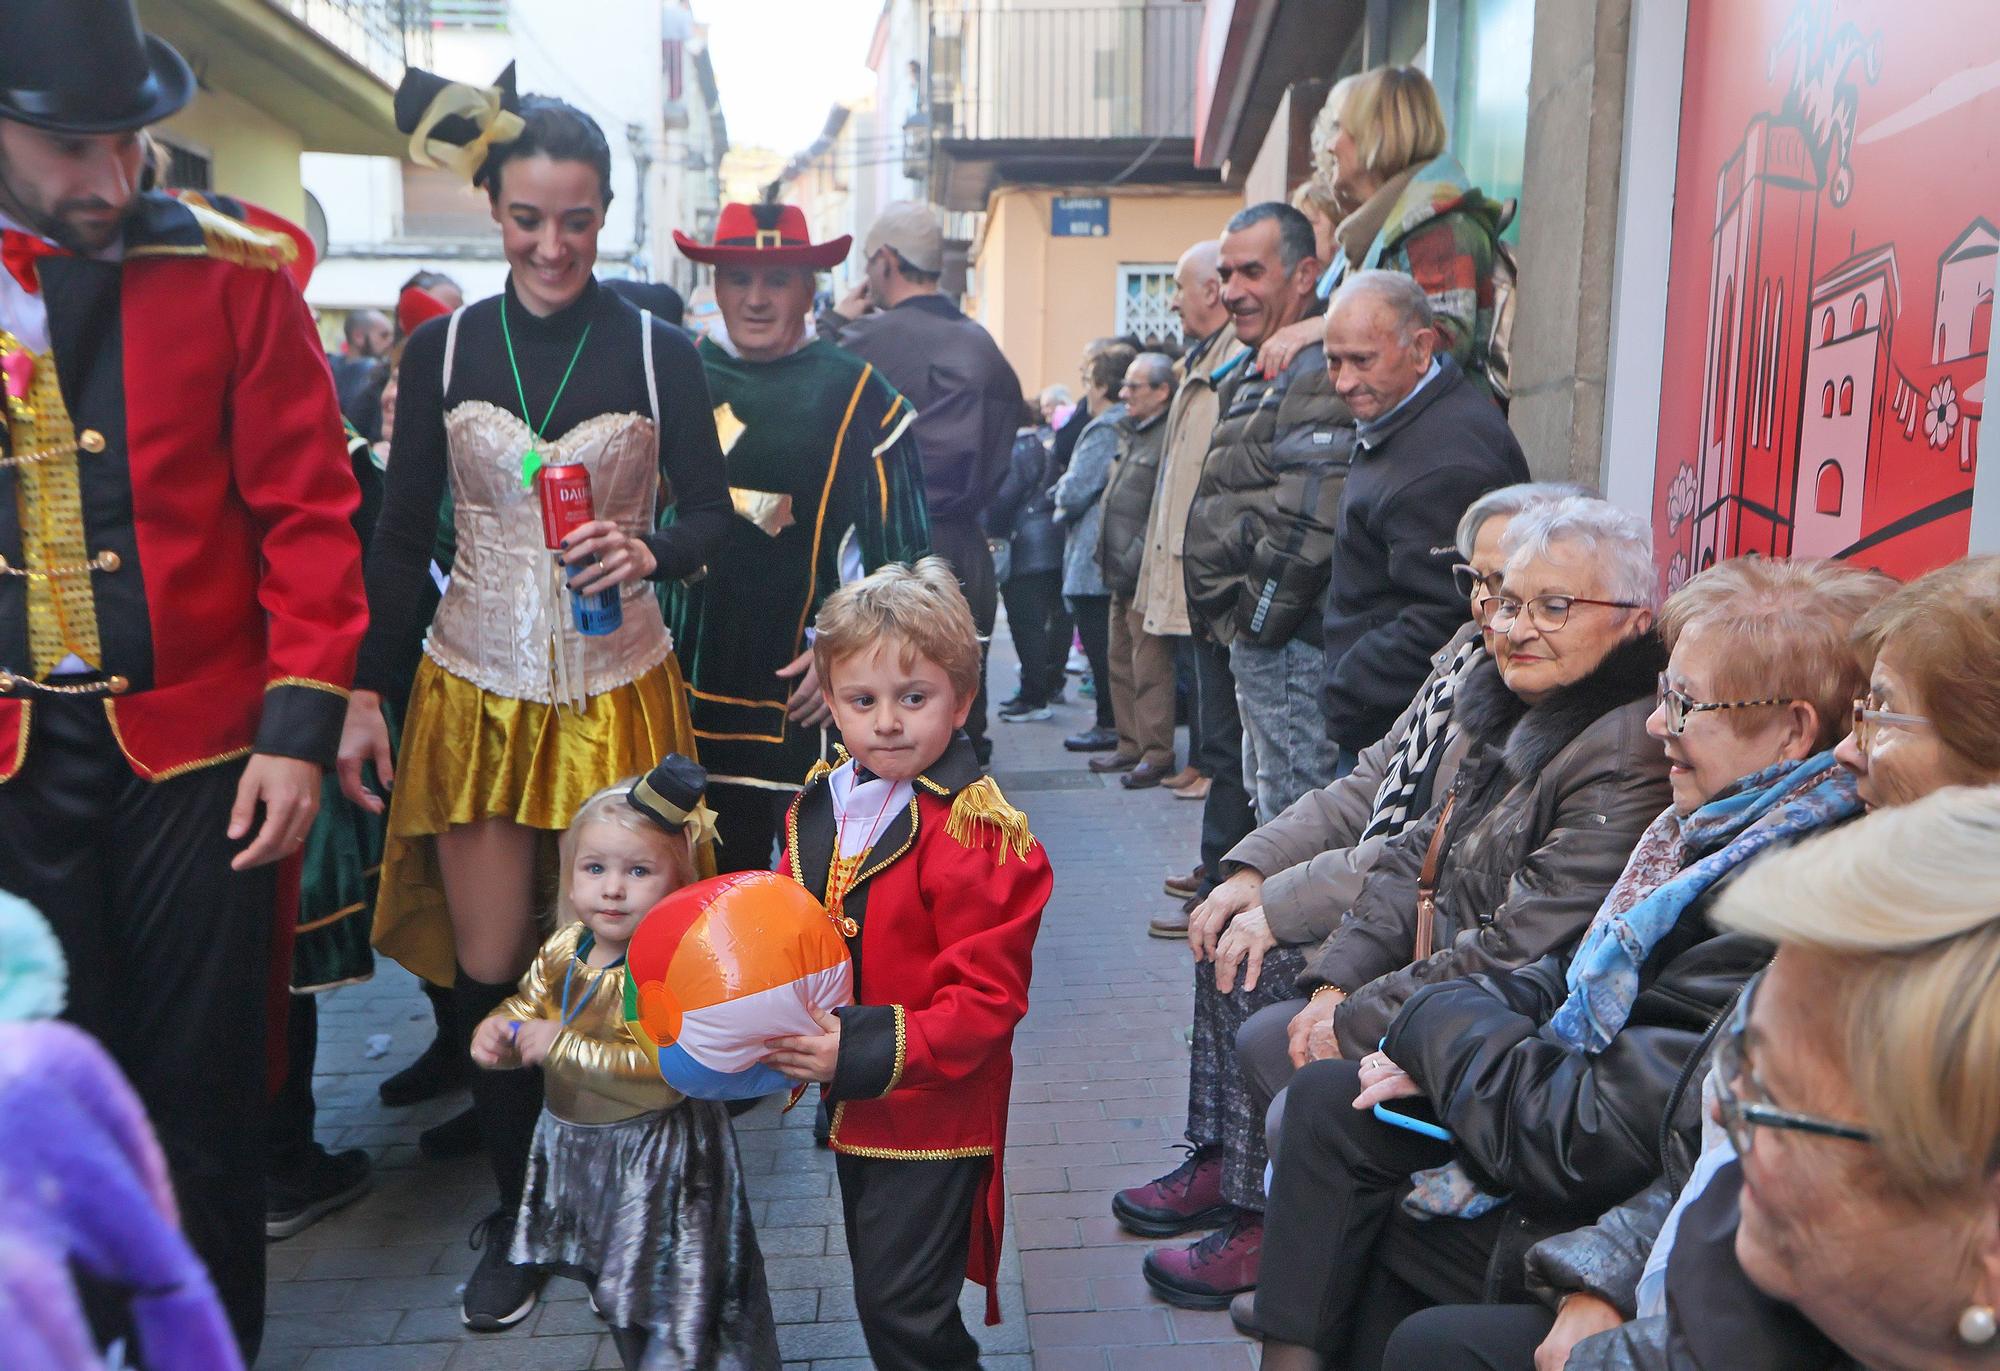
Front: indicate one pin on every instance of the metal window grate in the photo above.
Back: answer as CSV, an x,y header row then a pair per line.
x,y
187,169
1145,303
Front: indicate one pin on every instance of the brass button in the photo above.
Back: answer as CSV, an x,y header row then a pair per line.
x,y
90,440
108,560
119,685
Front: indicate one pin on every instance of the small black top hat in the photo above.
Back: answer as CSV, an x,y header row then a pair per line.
x,y
670,794
84,66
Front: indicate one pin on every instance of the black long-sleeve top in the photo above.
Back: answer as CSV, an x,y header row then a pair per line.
x,y
609,378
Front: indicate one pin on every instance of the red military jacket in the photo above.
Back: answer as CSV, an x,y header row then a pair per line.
x,y
216,494
948,902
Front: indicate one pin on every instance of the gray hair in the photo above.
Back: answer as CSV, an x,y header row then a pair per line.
x,y
1404,298
1202,258
1508,501
1618,541
1295,231
1157,367
1059,394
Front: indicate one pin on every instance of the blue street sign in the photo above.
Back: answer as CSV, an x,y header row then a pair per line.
x,y
1080,216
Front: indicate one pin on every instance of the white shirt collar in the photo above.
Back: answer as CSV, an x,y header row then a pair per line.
x,y
859,807
26,315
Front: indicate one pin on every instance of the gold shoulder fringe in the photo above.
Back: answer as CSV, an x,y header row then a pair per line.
x,y
232,240
817,770
981,817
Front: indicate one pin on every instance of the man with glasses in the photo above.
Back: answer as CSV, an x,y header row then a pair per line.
x,y
1429,444
1142,663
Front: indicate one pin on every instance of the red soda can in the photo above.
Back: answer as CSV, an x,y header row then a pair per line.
x,y
566,505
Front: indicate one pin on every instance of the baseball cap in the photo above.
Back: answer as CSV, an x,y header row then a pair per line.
x,y
913,230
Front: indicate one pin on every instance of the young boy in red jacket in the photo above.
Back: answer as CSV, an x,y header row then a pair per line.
x,y
939,888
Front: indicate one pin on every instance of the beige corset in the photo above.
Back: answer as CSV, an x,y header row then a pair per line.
x,y
505,622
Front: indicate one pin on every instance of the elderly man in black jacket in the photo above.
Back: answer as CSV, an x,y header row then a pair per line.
x,y
1428,445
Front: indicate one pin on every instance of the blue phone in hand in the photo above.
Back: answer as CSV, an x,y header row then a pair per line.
x,y
1414,1125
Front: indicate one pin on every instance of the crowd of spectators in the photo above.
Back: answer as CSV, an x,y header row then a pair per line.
x,y
1492,1062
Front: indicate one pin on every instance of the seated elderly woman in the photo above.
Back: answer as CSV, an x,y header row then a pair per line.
x,y
1552,1082
1930,653
1560,782
1288,883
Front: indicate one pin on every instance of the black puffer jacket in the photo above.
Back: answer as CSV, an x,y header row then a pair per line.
x,y
1567,1133
1260,530
1022,510
1548,808
1128,503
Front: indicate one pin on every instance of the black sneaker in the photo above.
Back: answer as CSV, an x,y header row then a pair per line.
x,y
1024,713
498,1294
457,1136
301,1196
436,1071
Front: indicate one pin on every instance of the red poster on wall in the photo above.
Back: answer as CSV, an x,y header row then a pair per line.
x,y
1830,290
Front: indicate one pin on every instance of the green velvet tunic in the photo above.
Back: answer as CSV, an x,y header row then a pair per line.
x,y
822,430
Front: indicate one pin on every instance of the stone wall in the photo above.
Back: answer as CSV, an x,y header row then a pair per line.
x,y
1569,232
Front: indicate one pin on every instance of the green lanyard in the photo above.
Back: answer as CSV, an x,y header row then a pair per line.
x,y
531,460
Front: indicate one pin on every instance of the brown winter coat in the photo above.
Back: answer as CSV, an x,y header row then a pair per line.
x,y
1549,807
1162,596
1313,857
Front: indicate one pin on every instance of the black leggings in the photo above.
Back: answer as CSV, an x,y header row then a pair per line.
x,y
1040,624
1093,625
1342,1264
1469,1337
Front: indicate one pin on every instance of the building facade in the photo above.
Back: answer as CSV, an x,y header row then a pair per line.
x,y
281,79
652,93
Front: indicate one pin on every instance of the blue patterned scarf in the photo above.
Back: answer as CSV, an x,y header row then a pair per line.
x,y
1778,804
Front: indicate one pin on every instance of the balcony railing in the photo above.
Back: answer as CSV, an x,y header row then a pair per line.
x,y
382,35
1075,73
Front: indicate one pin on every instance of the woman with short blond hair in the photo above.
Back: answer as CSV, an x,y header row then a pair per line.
x,y
1406,206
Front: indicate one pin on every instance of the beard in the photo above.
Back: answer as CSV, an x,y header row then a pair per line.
x,y
85,226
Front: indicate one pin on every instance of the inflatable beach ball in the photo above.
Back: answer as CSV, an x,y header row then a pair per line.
x,y
718,967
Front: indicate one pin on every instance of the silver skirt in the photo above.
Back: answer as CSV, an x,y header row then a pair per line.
x,y
651,1213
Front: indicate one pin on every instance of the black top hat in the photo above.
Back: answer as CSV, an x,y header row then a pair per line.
x,y
83,66
670,794
479,118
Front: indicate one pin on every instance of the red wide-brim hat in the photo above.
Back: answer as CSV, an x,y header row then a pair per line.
x,y
764,235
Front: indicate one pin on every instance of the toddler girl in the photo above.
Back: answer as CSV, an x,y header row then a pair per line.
x,y
632,1188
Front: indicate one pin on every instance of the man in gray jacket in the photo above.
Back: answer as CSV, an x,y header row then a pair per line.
x,y
967,398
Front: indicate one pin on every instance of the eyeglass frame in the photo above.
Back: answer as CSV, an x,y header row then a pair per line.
x,y
1679,706
1867,719
1493,614
1464,572
1740,1117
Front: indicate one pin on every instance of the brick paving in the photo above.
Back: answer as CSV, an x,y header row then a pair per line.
x,y
1099,1100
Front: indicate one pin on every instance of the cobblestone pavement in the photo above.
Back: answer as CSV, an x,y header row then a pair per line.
x,y
1099,1101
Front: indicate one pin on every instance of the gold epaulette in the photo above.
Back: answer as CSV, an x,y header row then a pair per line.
x,y
981,817
232,240
817,770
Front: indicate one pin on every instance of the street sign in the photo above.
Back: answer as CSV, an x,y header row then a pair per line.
x,y
1080,216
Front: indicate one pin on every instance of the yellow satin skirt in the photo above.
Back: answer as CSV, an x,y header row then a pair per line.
x,y
468,755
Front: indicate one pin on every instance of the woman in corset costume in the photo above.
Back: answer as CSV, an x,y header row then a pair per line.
x,y
515,718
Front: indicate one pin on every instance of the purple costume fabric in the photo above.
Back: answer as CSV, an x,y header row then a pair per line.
x,y
83,1183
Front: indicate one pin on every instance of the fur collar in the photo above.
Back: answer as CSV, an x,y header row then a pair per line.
x,y
1529,739
1631,671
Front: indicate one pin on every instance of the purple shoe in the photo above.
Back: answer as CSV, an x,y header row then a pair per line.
x,y
1209,1273
1186,1198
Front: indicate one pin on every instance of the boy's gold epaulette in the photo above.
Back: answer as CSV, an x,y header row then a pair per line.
x,y
823,766
981,817
232,240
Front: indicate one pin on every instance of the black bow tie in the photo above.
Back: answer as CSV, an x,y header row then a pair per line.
x,y
862,775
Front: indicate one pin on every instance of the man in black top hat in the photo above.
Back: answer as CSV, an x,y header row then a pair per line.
x,y
180,597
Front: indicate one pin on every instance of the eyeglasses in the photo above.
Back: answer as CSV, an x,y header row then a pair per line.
x,y
1547,613
1469,578
1741,1116
1680,706
1867,719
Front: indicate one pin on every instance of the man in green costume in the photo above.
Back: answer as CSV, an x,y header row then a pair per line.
x,y
827,486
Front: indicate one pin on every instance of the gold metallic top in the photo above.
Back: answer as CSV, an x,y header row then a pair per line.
x,y
596,1072
62,609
